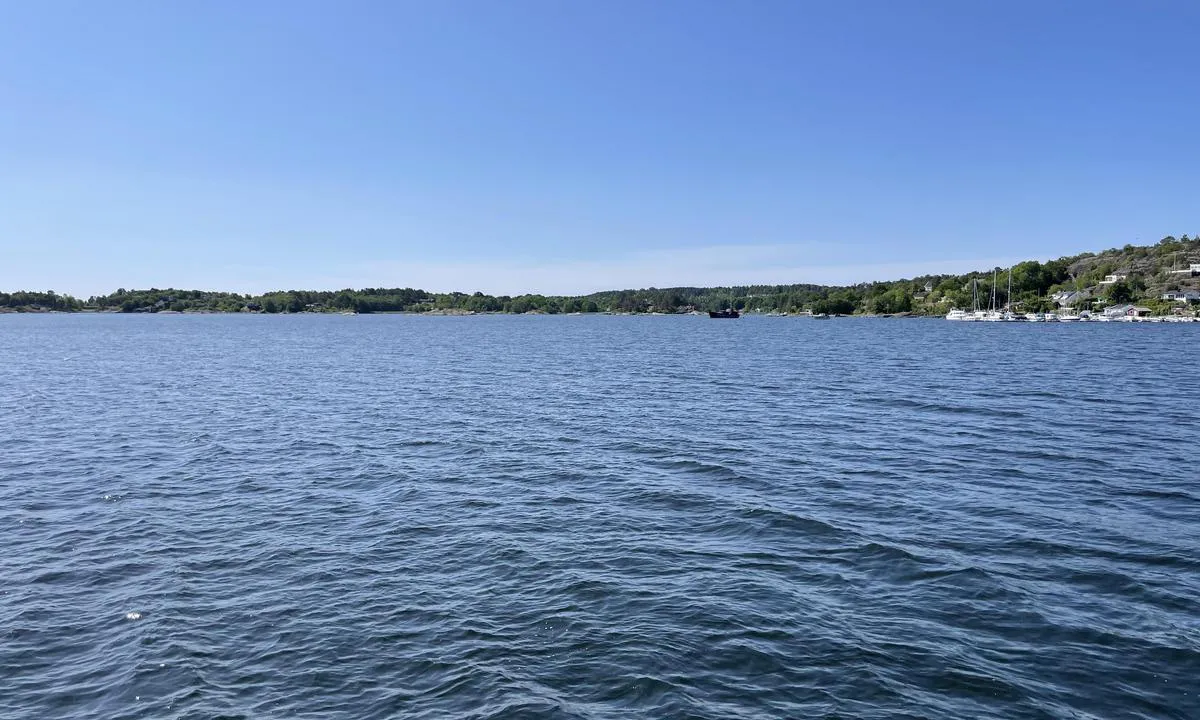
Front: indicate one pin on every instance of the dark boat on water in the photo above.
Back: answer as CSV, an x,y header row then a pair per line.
x,y
730,313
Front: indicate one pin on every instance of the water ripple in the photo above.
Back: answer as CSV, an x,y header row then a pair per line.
x,y
598,517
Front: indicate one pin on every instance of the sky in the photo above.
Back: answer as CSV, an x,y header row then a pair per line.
x,y
569,146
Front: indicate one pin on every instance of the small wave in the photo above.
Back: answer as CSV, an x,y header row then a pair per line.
x,y
877,520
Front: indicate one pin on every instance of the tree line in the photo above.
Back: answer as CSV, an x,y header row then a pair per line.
x,y
1148,270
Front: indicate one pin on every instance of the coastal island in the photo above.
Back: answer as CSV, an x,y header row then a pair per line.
x,y
1161,279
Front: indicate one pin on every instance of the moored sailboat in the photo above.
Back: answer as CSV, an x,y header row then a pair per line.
x,y
963,315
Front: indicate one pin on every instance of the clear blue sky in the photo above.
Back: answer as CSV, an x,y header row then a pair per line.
x,y
569,146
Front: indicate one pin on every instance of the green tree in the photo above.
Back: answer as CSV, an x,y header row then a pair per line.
x,y
1120,292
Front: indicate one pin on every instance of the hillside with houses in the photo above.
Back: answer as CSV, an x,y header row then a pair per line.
x,y
1160,279
1165,273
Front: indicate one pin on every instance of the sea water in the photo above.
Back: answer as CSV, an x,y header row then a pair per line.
x,y
597,517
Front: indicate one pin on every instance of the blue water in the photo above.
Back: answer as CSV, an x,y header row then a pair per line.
x,y
597,517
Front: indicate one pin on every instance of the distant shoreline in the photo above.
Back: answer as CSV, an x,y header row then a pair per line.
x,y
436,314
1163,279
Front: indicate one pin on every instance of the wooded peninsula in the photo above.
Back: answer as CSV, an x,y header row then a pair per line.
x,y
1160,277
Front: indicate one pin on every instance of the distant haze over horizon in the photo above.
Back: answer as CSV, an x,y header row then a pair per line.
x,y
564,149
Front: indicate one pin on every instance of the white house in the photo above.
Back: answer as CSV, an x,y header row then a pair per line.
x,y
1192,270
1114,278
1182,296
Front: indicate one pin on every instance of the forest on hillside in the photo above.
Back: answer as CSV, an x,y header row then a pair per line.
x,y
1149,272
